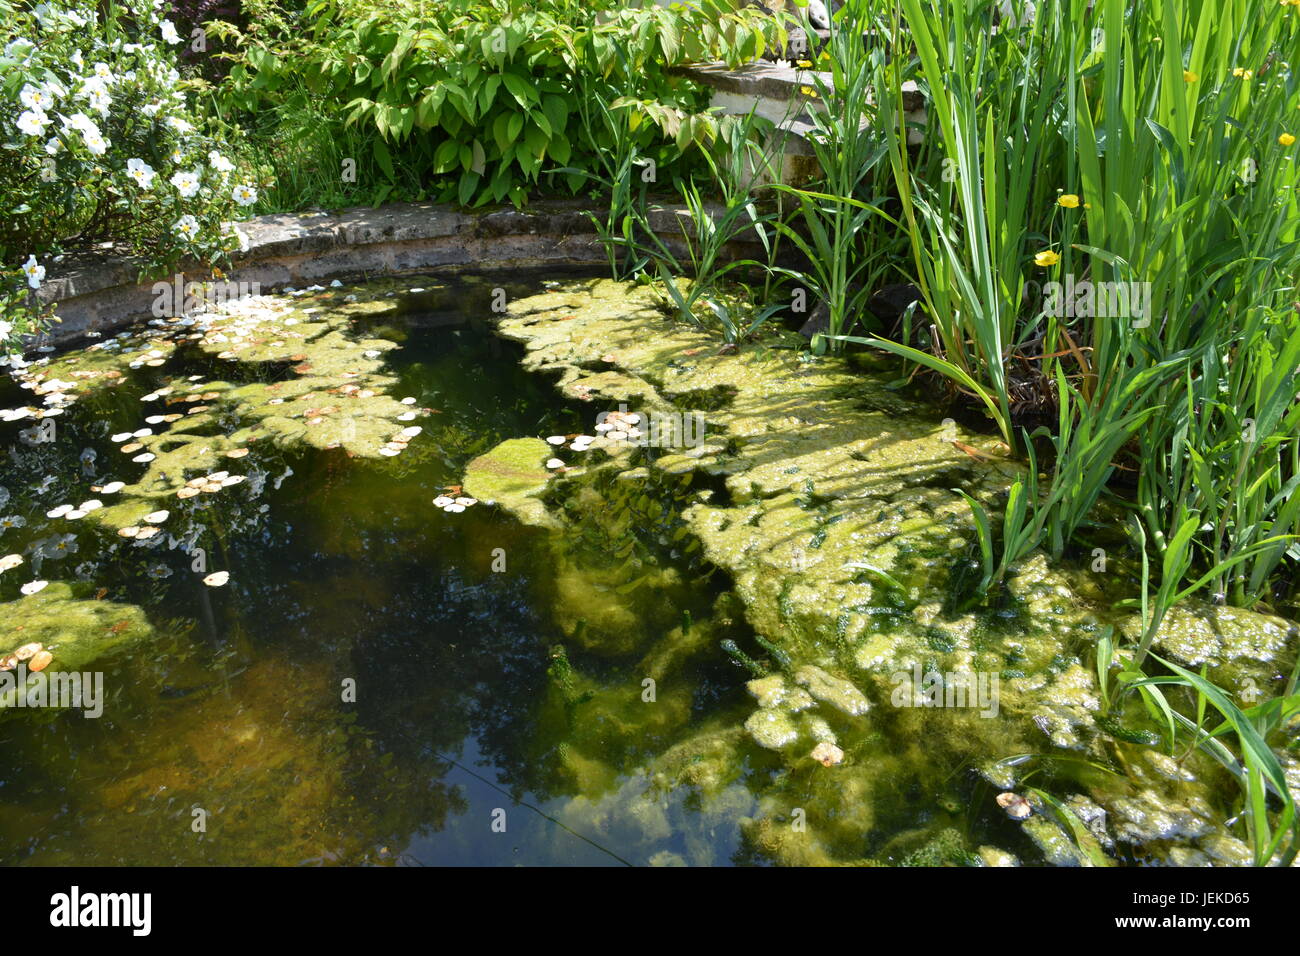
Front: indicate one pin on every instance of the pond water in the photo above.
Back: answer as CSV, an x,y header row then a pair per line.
x,y
379,680
340,569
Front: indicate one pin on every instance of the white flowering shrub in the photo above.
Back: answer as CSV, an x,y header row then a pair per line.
x,y
98,142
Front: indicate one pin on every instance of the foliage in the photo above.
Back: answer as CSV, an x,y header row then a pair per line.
x,y
1253,765
478,100
1141,153
840,228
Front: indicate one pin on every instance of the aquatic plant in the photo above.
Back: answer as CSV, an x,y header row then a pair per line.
x,y
707,229
1080,148
1253,765
621,177
840,227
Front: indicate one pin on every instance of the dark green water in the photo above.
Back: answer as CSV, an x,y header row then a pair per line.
x,y
382,682
346,571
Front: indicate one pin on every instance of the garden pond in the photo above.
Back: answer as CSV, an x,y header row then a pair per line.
x,y
465,571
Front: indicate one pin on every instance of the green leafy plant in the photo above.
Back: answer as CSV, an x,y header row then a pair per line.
x,y
480,100
706,230
840,228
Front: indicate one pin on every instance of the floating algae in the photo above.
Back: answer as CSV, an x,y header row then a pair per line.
x,y
511,475
316,383
825,472
77,631
740,644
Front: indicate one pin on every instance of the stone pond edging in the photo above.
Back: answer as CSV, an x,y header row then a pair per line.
x,y
102,292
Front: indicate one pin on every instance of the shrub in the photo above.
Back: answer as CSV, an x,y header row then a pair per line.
x,y
480,100
100,144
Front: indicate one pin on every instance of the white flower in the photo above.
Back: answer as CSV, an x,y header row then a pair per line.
x,y
186,183
95,142
52,146
245,195
187,227
34,272
20,49
99,101
141,172
36,98
80,122
169,33
31,587
77,60
33,122
103,72
91,84
219,162
180,125
6,329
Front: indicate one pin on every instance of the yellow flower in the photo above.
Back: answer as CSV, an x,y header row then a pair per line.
x,y
808,91
1286,139
1242,73
1189,76
1046,258
1069,201
804,64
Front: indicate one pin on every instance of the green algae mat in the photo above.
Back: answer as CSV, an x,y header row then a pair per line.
x,y
349,574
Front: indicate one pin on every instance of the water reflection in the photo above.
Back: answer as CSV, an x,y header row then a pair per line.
x,y
365,688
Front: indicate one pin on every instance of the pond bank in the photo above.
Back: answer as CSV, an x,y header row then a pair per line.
x,y
103,291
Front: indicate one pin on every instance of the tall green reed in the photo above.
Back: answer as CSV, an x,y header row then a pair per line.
x,y
1119,146
840,228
